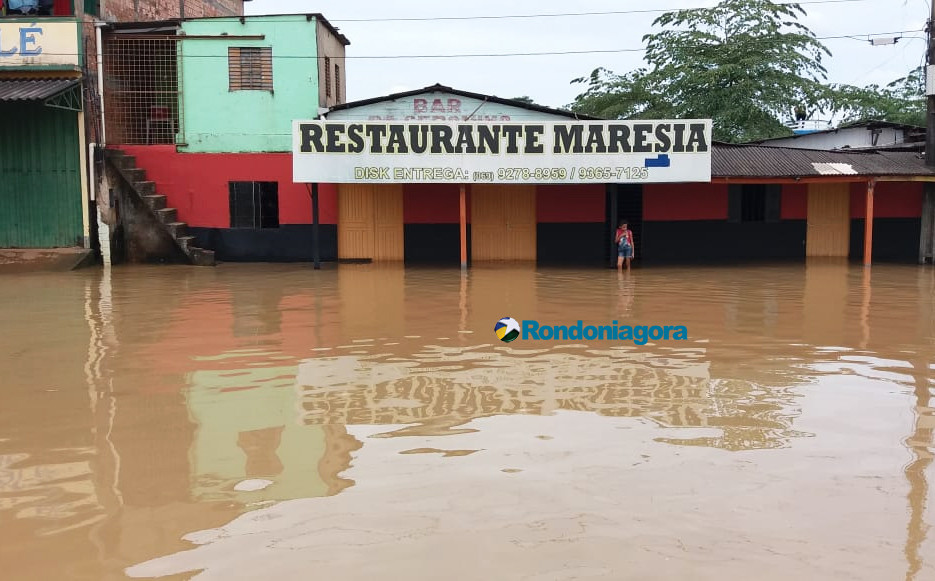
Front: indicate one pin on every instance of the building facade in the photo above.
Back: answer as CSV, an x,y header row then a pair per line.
x,y
860,135
50,112
209,122
42,159
762,203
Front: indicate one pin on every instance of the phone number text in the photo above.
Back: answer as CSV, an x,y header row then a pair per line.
x,y
575,173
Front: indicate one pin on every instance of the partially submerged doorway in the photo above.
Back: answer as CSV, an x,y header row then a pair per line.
x,y
370,222
829,220
503,222
624,202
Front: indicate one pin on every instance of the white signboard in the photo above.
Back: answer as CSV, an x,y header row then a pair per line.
x,y
26,43
440,107
542,153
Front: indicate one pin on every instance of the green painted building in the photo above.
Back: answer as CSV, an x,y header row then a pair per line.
x,y
244,80
42,161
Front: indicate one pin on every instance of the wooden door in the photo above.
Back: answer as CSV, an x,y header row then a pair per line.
x,y
503,222
388,222
355,221
370,222
829,220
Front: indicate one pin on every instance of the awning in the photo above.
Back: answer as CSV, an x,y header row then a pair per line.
x,y
57,93
34,89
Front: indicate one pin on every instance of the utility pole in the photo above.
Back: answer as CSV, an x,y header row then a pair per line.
x,y
929,92
927,238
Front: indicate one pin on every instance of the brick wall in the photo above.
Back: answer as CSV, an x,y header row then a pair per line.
x,y
144,10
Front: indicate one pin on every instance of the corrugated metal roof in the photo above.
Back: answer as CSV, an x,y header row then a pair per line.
x,y
787,162
33,89
439,88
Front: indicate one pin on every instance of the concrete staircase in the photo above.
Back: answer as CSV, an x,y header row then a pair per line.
x,y
156,203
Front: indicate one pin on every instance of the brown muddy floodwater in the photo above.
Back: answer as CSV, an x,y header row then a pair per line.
x,y
363,422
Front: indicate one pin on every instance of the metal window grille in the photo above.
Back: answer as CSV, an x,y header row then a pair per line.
x,y
337,83
141,89
254,204
327,77
753,204
250,68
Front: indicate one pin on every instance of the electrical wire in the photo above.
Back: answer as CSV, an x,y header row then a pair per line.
x,y
858,37
259,17
566,14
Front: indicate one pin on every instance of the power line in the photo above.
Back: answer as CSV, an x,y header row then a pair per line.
x,y
861,37
257,17
565,14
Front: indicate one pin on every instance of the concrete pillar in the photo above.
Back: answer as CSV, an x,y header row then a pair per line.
x,y
868,224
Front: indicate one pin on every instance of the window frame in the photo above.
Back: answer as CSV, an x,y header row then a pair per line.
x,y
337,83
742,197
250,68
263,202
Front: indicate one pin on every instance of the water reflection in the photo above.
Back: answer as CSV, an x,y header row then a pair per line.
x,y
128,422
246,427
437,389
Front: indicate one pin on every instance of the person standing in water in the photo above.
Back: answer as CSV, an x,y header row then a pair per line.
x,y
624,241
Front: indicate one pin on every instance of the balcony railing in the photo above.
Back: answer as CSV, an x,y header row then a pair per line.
x,y
34,8
808,125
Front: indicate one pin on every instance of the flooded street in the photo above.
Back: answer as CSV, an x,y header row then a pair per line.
x,y
362,422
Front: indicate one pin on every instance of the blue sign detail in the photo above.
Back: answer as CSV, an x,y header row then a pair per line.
x,y
661,160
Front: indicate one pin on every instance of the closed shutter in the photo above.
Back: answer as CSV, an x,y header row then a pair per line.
x,y
40,177
250,68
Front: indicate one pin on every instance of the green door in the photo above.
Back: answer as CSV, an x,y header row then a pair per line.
x,y
40,177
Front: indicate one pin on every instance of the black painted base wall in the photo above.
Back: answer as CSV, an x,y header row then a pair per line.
x,y
894,239
288,243
434,243
719,240
578,243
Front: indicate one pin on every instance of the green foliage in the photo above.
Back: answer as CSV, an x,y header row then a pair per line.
x,y
901,101
746,64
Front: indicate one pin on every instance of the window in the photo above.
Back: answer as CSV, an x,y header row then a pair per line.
x,y
754,203
337,83
254,204
327,77
250,68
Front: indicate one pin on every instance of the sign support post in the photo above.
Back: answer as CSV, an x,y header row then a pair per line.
x,y
316,247
462,201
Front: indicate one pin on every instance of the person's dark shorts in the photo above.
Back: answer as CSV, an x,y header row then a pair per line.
x,y
625,251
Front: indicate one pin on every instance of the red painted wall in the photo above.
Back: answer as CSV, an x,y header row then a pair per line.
x,y
570,203
197,184
890,200
684,202
794,202
433,204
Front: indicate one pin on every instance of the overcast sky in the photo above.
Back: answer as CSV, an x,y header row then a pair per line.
x,y
547,79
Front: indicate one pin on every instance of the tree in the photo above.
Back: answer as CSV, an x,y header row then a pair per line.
x,y
524,99
746,64
901,101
